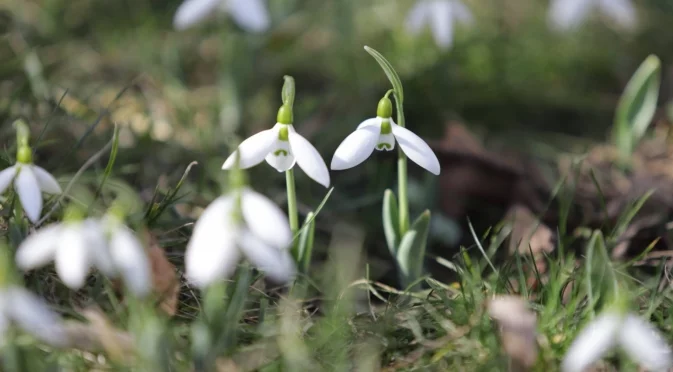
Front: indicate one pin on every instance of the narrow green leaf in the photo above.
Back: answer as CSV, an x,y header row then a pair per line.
x,y
390,73
306,243
391,226
315,214
411,252
109,166
287,93
155,211
637,105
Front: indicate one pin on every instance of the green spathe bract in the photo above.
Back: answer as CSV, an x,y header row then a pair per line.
x,y
636,107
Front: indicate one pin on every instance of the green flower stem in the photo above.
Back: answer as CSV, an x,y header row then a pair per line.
x,y
402,174
292,201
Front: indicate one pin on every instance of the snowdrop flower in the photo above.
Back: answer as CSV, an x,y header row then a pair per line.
x,y
441,16
281,147
220,238
381,133
251,15
30,181
30,313
568,14
640,340
76,246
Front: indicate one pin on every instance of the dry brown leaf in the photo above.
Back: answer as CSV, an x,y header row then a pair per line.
x,y
164,279
517,325
99,335
528,233
165,283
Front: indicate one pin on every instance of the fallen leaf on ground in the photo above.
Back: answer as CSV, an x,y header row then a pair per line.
x,y
517,325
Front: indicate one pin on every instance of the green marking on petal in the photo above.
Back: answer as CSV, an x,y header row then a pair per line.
x,y
382,146
283,133
385,127
280,152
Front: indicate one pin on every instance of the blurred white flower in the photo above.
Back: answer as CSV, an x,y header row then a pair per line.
x,y
219,240
282,147
640,340
30,181
568,14
76,246
381,133
251,15
441,16
30,313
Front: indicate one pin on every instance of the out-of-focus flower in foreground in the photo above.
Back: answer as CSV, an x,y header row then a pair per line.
x,y
568,14
30,181
251,15
220,238
640,340
441,16
380,133
75,246
282,147
30,313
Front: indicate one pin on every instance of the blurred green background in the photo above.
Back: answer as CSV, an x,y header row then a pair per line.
x,y
82,65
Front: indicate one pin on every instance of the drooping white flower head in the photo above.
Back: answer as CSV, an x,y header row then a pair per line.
x,y
76,246
220,239
251,15
568,14
30,313
640,340
30,181
281,147
441,16
380,133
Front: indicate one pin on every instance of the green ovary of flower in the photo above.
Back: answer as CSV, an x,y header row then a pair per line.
x,y
284,115
24,155
385,108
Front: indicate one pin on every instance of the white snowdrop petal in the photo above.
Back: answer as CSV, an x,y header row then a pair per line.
x,y
6,177
34,316
253,149
29,193
39,248
191,12
373,122
461,12
46,181
592,343
416,149
130,259
567,14
418,16
621,11
72,259
442,23
281,157
309,159
265,219
251,15
356,148
211,252
94,233
644,344
277,264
